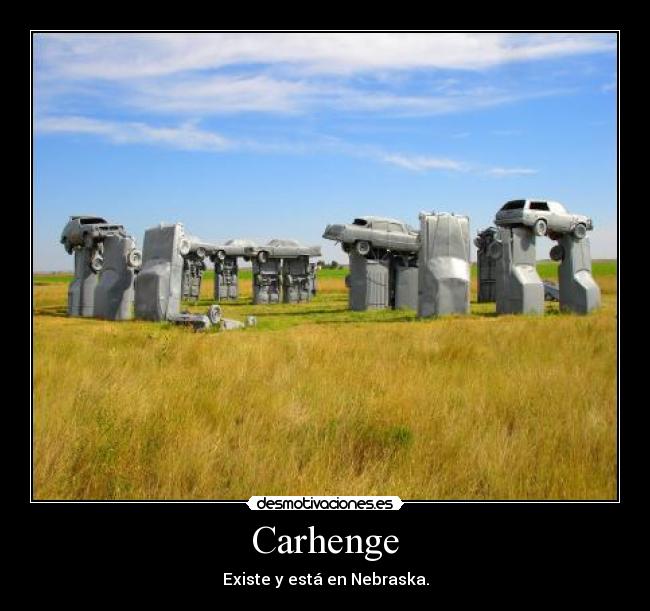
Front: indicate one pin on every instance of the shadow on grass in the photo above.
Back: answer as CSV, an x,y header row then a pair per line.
x,y
51,311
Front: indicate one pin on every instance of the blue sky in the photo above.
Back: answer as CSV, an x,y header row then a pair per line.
x,y
276,135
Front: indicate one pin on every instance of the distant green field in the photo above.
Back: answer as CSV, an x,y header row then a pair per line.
x,y
546,269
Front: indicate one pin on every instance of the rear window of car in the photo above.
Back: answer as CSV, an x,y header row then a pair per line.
x,y
538,206
91,220
361,222
514,205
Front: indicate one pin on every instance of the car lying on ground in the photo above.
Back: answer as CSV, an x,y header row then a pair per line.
x,y
367,233
84,230
545,217
281,249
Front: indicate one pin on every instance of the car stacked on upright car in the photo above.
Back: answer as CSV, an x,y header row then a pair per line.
x,y
368,233
545,217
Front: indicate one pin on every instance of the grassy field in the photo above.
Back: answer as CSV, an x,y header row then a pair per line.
x,y
320,400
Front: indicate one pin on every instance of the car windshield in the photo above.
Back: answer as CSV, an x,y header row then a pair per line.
x,y
514,205
91,220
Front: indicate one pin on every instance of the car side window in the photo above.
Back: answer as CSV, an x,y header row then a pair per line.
x,y
538,206
395,227
380,226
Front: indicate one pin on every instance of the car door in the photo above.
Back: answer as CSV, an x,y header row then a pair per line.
x,y
379,234
397,236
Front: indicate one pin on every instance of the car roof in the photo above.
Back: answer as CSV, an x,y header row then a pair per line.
x,y
240,242
280,242
381,218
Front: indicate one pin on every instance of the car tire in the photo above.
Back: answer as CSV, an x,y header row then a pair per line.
x,y
134,259
362,248
579,231
495,250
262,256
214,314
96,262
540,227
557,253
184,247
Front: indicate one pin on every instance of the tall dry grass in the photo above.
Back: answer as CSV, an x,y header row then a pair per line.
x,y
479,407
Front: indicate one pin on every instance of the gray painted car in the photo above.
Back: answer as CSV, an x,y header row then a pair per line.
x,y
366,233
545,217
83,231
281,249
232,248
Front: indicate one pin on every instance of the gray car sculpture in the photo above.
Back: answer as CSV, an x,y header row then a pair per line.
x,y
545,217
368,233
232,248
106,261
281,249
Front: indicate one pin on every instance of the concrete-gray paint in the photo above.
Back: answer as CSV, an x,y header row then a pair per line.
x,y
406,274
159,283
485,266
578,290
266,281
519,289
226,278
443,263
81,292
114,294
369,282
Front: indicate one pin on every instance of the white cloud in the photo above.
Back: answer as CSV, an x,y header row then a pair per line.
x,y
421,163
501,172
185,137
125,56
211,94
189,137
210,73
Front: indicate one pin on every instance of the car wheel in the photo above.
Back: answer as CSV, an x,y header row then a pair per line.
x,y
540,227
557,253
362,248
184,247
262,256
495,250
97,262
580,231
134,259
214,313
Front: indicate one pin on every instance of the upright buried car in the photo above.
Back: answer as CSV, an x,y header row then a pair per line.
x,y
545,217
367,233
